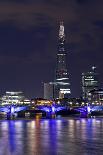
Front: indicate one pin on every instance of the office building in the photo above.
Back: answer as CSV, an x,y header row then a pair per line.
x,y
49,90
14,98
96,96
61,82
89,82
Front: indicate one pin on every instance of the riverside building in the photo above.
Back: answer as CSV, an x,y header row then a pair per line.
x,y
89,82
12,97
96,96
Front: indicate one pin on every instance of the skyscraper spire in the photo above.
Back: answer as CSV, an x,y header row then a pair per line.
x,y
61,38
61,31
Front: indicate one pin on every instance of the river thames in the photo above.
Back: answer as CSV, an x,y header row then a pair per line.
x,y
64,136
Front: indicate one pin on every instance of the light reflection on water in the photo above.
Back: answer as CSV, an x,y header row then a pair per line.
x,y
63,136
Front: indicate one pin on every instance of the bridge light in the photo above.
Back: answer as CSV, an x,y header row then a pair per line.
x,y
53,109
77,103
12,110
70,103
82,103
58,102
88,109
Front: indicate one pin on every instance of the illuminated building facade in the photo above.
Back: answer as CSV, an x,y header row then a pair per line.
x,y
89,82
61,83
14,98
96,96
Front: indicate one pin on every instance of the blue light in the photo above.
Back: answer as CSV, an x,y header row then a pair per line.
x,y
4,109
53,109
88,109
17,109
46,109
12,110
50,109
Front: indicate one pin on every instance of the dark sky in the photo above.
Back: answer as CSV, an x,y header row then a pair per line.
x,y
29,40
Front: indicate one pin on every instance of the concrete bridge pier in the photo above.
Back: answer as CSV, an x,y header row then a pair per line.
x,y
86,113
9,116
50,115
11,113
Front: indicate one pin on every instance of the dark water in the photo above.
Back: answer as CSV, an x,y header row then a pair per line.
x,y
64,136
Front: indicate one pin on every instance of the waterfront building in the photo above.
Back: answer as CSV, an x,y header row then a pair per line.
x,y
43,102
96,96
14,98
89,82
61,82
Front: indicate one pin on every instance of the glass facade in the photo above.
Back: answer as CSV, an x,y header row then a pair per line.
x,y
49,90
62,85
89,82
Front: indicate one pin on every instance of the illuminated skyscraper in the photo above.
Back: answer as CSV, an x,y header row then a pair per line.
x,y
62,85
89,82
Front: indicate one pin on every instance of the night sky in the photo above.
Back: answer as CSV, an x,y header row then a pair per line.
x,y
29,41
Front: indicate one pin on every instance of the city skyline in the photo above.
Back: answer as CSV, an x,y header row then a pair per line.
x,y
28,38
